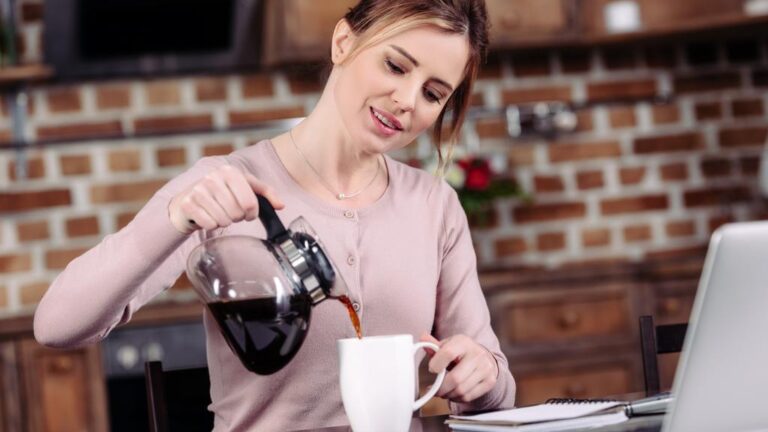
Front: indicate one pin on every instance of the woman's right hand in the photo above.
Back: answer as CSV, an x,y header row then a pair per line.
x,y
224,196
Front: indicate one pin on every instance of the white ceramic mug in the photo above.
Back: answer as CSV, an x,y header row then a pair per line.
x,y
378,381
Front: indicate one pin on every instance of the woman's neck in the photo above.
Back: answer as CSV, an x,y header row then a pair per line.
x,y
320,155
323,141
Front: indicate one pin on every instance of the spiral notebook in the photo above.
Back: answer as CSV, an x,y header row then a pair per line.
x,y
554,415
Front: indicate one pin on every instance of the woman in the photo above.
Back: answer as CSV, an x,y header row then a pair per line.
x,y
397,234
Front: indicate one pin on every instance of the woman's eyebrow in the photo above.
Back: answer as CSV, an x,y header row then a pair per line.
x,y
416,63
405,54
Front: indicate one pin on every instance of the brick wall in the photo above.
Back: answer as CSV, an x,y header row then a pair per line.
x,y
637,179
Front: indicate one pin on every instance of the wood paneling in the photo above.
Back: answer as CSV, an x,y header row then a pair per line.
x,y
64,389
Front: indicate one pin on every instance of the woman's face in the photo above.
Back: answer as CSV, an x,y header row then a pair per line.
x,y
392,91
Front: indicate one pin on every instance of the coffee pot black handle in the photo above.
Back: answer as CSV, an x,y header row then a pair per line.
x,y
275,228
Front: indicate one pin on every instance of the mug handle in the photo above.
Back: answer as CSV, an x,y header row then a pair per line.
x,y
438,381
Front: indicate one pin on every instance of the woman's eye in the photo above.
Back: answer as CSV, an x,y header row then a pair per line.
x,y
431,96
393,67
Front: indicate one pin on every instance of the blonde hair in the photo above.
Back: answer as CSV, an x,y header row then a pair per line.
x,y
373,21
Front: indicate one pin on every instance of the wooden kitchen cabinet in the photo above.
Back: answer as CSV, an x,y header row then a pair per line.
x,y
560,315
64,389
518,23
300,30
573,332
50,390
664,15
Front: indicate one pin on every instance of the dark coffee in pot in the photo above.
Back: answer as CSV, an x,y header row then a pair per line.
x,y
266,333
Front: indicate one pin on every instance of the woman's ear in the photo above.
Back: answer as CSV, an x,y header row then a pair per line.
x,y
342,42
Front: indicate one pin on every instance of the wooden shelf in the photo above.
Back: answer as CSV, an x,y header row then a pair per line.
x,y
703,26
12,75
707,27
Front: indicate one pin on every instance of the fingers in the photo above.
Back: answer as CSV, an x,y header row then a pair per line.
x,y
207,202
426,337
474,372
197,217
458,377
243,194
477,388
268,192
224,196
473,385
451,350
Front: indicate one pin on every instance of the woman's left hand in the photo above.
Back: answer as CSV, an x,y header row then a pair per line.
x,y
472,369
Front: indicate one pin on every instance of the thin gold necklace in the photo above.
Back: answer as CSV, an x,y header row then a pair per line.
x,y
338,195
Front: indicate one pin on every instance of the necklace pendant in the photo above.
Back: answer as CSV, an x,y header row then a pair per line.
x,y
340,196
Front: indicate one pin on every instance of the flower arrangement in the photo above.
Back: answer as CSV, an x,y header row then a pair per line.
x,y
478,181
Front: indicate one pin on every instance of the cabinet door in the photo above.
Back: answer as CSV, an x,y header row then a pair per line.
x,y
300,30
64,390
525,22
10,400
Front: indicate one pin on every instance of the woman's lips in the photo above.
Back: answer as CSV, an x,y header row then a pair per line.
x,y
382,127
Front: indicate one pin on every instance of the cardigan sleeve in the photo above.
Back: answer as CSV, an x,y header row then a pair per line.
x,y
103,287
461,306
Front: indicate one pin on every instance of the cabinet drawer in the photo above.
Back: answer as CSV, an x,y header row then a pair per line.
x,y
568,316
588,382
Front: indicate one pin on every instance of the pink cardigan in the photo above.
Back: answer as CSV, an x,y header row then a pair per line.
x,y
407,259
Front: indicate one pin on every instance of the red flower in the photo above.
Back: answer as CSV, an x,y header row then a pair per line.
x,y
414,162
478,173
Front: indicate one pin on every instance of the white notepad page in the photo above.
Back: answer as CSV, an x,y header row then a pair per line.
x,y
570,424
540,413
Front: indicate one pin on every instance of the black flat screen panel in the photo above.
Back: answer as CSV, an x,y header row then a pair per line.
x,y
128,28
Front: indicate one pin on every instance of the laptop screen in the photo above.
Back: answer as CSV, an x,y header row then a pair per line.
x,y
721,382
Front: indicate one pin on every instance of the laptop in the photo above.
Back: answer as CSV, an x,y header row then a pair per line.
x,y
721,383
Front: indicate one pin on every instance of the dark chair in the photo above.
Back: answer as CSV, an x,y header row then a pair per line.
x,y
177,399
656,340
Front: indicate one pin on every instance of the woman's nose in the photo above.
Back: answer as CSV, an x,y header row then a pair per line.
x,y
405,98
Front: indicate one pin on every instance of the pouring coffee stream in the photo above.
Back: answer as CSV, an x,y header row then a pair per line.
x,y
352,315
261,291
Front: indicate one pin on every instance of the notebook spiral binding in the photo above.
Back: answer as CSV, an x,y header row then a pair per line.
x,y
560,401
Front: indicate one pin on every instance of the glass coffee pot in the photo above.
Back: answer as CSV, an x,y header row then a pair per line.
x,y
261,291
